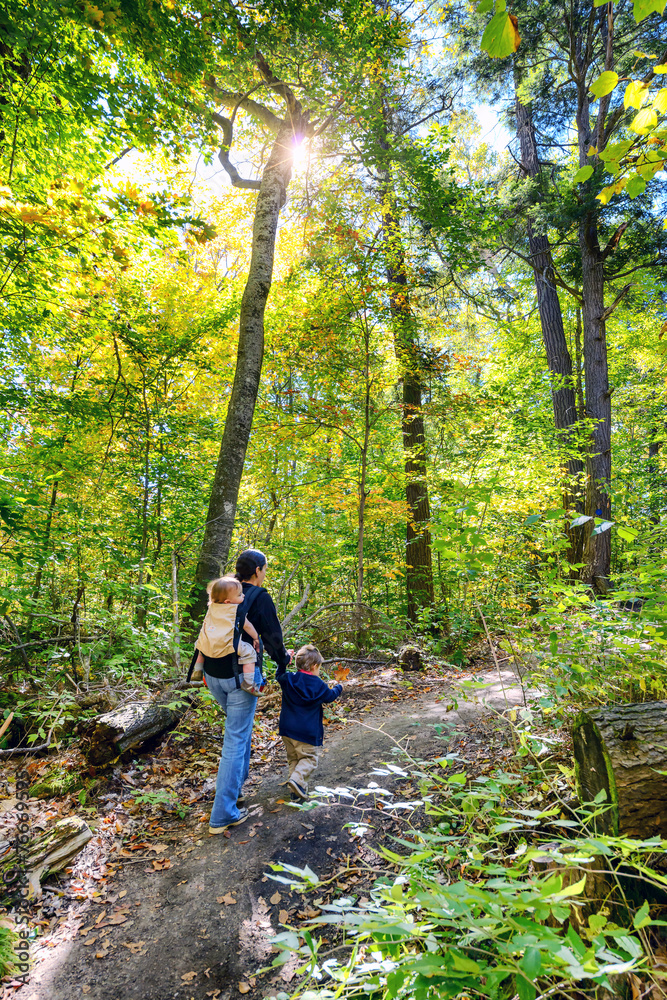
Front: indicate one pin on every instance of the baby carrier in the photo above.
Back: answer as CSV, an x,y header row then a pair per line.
x,y
232,659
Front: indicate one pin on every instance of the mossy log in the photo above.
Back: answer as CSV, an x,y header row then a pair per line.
x,y
48,852
110,735
622,751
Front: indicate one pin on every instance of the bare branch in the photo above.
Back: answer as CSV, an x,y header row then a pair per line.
x,y
229,99
617,301
223,155
288,618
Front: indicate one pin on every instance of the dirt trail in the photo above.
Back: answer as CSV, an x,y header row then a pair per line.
x,y
179,937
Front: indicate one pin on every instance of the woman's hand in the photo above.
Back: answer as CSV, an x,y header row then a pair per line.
x,y
255,644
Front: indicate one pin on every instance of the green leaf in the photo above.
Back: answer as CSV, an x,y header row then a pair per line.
x,y
627,534
660,101
463,964
599,528
525,989
642,917
604,84
583,174
485,6
553,643
501,37
531,963
642,8
532,519
636,185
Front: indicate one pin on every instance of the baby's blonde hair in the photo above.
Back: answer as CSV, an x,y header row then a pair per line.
x,y
220,590
307,657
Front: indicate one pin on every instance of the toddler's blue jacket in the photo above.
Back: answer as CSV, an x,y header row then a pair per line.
x,y
301,711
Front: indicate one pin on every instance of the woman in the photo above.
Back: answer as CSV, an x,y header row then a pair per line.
x,y
238,705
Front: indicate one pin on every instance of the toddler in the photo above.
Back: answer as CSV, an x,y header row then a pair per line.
x,y
217,632
301,713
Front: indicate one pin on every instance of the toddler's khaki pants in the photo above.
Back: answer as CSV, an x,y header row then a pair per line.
x,y
302,759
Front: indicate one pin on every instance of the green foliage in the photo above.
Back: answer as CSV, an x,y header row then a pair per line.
x,y
468,910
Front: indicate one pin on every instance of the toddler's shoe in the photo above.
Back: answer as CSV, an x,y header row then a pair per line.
x,y
254,689
296,789
197,674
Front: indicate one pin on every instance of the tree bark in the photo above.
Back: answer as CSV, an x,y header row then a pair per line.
x,y
622,751
418,558
597,552
229,469
556,347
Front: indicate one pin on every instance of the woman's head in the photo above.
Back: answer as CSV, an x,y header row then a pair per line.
x,y
251,565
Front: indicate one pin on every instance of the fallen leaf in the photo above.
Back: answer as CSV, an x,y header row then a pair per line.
x,y
161,865
101,954
243,841
92,940
276,897
188,977
228,900
85,989
244,988
159,848
134,946
116,918
283,917
341,674
122,893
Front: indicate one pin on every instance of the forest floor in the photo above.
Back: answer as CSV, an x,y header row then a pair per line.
x,y
155,908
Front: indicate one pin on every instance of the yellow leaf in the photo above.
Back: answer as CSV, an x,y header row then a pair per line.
x,y
276,897
244,988
642,683
636,94
188,977
660,100
644,121
283,917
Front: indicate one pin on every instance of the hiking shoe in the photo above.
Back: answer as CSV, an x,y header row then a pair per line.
x,y
297,789
237,822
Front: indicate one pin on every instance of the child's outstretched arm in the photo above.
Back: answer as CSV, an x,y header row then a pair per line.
x,y
332,694
250,629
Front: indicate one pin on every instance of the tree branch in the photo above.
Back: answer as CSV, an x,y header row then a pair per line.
x,y
223,155
617,301
229,99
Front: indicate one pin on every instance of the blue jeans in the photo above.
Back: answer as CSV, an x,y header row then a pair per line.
x,y
239,707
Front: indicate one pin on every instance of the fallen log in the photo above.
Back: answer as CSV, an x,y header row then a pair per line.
x,y
108,736
49,852
622,751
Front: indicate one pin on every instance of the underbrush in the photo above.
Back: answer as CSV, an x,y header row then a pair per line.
x,y
508,893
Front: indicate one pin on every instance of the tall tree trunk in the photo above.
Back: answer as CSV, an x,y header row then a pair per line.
x,y
597,552
363,495
418,558
229,469
553,332
418,561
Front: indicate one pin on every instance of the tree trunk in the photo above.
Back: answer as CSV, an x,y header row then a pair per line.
x,y
108,736
229,469
597,553
622,751
556,347
48,852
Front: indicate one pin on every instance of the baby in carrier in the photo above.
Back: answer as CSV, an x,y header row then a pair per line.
x,y
216,638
